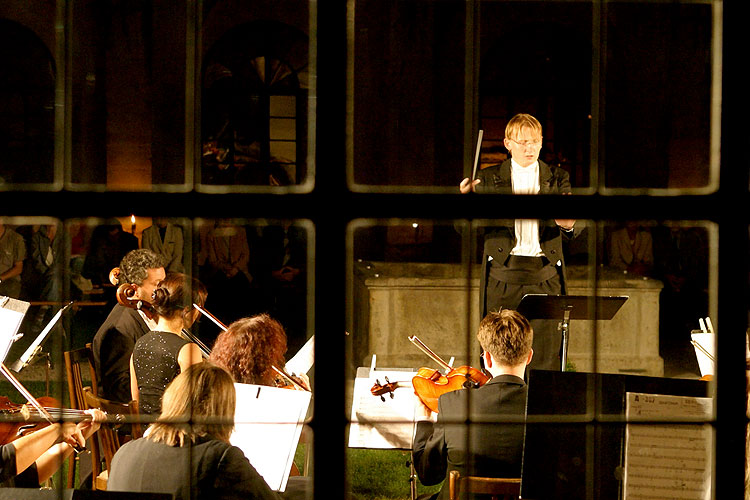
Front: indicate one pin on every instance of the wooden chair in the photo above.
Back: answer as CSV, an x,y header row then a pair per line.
x,y
109,438
498,488
74,370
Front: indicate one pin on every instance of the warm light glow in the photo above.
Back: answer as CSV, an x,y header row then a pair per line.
x,y
132,219
414,225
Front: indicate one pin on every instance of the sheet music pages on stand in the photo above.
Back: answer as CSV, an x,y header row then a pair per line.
x,y
382,424
12,312
268,424
667,460
704,344
303,360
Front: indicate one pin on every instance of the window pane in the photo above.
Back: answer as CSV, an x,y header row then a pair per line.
x,y
129,120
423,278
581,74
28,116
257,86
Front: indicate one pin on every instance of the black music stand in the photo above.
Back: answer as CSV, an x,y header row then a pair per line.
x,y
567,307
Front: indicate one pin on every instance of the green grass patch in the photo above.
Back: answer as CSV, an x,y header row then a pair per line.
x,y
381,475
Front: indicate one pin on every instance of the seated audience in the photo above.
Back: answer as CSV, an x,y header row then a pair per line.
x,y
32,459
491,444
162,353
187,452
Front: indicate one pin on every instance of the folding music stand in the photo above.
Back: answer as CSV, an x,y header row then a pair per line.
x,y
567,307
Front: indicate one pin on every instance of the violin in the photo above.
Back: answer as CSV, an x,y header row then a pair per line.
x,y
429,384
14,427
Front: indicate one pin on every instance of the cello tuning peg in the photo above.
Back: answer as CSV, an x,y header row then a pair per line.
x,y
391,395
382,398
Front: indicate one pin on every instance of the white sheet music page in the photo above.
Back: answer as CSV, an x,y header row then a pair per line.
x,y
667,461
12,312
386,423
704,351
267,427
303,360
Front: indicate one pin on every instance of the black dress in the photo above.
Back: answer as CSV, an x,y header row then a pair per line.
x,y
155,362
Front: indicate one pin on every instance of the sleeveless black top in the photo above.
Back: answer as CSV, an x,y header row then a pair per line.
x,y
155,362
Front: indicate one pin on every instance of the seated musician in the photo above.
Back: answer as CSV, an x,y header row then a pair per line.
x,y
187,452
32,459
161,354
493,448
250,348
114,341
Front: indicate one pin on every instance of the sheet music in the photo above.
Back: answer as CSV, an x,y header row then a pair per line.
x,y
303,360
705,350
12,312
382,424
268,424
667,461
26,356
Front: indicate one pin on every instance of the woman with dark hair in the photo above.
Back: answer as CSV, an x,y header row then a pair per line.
x,y
250,348
161,354
187,452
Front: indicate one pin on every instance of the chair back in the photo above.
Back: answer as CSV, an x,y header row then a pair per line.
x,y
74,366
497,488
109,435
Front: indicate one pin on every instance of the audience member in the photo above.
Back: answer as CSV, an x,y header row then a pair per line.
x,y
114,341
681,263
163,353
108,245
226,273
187,452
165,239
480,431
283,277
46,256
631,249
12,255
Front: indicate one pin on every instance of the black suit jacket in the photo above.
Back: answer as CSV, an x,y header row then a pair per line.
x,y
113,344
500,240
492,445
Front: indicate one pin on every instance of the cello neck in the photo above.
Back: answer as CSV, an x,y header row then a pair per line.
x,y
437,359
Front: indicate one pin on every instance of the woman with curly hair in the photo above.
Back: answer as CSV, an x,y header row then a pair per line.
x,y
250,348
160,355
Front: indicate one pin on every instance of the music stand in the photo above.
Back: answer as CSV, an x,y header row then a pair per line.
x,y
567,307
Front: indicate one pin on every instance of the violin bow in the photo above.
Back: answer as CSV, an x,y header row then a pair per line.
x,y
29,397
422,347
32,400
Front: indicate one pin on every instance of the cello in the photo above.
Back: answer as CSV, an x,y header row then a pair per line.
x,y
429,384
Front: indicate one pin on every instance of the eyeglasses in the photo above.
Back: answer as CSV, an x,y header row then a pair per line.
x,y
524,144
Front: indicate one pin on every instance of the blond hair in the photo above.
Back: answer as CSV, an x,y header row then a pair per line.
x,y
507,335
200,401
520,122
